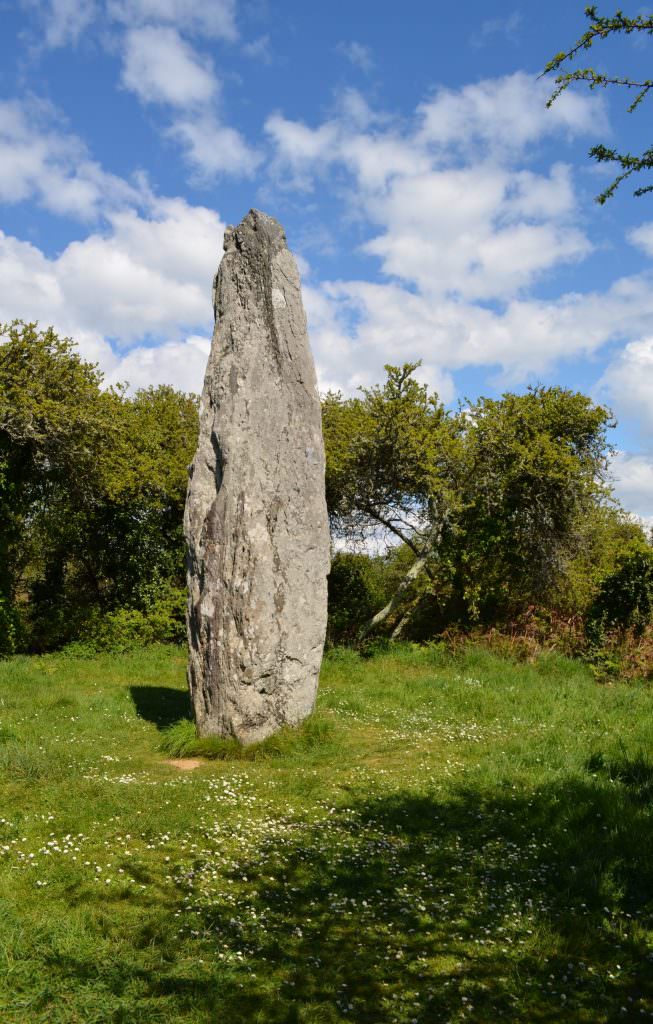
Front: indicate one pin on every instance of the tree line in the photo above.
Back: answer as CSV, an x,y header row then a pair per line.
x,y
495,511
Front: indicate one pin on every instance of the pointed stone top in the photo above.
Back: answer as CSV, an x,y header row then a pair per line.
x,y
256,230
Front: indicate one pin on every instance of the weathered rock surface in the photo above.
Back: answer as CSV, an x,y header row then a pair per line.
x,y
256,521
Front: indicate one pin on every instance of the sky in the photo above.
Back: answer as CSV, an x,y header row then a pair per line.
x,y
438,210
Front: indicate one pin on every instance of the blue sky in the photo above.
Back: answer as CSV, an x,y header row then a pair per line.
x,y
438,210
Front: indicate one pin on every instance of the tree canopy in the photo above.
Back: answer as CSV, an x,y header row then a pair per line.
x,y
490,500
92,487
388,454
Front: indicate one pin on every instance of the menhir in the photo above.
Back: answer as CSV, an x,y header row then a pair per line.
x,y
256,520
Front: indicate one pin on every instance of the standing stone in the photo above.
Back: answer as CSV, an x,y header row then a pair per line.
x,y
256,520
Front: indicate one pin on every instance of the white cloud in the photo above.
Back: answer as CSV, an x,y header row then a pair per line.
x,y
145,277
43,162
180,363
352,138
300,149
63,20
633,479
357,326
503,115
476,232
489,122
358,54
350,354
160,67
628,381
540,196
213,18
259,49
212,148
456,217
492,27
376,158
149,273
643,237
456,220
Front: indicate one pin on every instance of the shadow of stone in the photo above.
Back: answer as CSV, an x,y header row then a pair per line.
x,y
161,705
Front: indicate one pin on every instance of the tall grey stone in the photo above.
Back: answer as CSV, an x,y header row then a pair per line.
x,y
256,520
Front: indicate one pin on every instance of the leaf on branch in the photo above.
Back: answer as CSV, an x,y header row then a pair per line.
x,y
601,28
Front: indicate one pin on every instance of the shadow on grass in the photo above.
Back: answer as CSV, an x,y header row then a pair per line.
x,y
161,705
495,905
635,773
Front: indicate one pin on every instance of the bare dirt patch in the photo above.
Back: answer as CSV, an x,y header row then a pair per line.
x,y
184,764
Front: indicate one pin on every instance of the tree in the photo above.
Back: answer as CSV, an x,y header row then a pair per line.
x,y
603,535
53,418
92,487
535,469
489,502
388,456
602,28
138,521
624,599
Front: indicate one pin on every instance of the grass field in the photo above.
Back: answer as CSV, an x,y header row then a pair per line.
x,y
452,838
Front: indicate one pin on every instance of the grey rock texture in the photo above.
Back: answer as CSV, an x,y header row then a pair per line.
x,y
256,520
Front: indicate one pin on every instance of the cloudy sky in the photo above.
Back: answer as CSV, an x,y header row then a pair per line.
x,y
439,211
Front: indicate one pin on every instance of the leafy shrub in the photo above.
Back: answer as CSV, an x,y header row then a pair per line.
x,y
358,586
161,621
164,606
374,646
625,597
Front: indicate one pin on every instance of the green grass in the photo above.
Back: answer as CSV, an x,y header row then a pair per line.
x,y
448,839
180,740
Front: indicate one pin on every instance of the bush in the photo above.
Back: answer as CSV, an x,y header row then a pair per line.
x,y
625,597
160,621
358,587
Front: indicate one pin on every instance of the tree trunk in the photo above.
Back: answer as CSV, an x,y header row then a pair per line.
x,y
417,567
399,628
